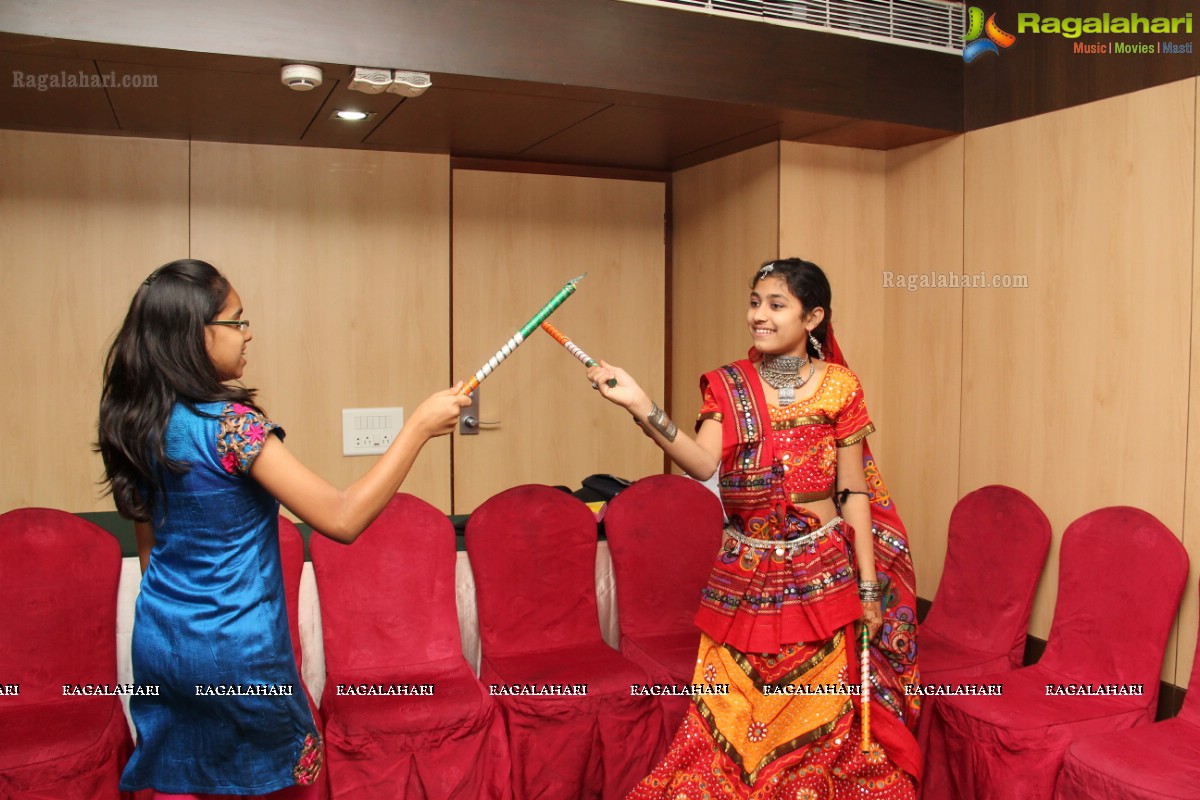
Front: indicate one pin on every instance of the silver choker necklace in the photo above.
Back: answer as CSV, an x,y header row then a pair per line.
x,y
783,374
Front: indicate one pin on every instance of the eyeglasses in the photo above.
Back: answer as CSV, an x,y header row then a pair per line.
x,y
240,324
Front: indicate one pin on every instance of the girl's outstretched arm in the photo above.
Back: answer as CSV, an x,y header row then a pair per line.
x,y
698,457
343,514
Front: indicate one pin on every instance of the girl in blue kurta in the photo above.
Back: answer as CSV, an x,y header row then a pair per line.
x,y
197,465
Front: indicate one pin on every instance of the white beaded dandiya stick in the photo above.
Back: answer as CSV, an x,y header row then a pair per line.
x,y
865,672
521,335
573,348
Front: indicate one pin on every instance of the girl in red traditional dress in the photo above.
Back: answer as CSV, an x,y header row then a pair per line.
x,y
813,549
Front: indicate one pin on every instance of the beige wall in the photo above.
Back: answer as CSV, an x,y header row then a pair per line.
x,y
1075,390
83,219
342,259
922,346
725,222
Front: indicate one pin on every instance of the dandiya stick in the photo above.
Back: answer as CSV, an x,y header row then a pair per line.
x,y
574,349
865,669
521,335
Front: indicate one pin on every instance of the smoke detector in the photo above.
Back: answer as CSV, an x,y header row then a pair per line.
x,y
301,77
410,84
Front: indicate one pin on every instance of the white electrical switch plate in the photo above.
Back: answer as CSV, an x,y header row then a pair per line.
x,y
369,431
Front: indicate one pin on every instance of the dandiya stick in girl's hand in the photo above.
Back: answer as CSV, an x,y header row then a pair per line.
x,y
521,335
865,693
574,349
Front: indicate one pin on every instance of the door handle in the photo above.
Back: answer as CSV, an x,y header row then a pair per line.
x,y
468,421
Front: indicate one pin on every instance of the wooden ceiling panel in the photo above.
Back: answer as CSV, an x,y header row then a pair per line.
x,y
475,123
56,106
871,135
643,137
213,105
325,131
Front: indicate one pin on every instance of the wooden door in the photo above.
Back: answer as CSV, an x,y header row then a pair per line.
x,y
517,239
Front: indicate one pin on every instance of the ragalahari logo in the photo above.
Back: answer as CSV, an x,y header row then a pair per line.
x,y
973,45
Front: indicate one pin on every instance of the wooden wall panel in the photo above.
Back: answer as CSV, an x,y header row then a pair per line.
x,y
922,346
725,224
1075,389
831,213
518,238
85,219
342,261
1189,616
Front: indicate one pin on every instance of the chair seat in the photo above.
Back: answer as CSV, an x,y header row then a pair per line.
x,y
666,657
1156,761
372,706
34,732
602,669
1025,705
79,744
943,659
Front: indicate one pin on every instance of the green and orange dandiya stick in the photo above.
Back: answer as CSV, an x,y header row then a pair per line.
x,y
521,335
574,349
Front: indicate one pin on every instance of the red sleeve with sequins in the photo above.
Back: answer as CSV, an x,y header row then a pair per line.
x,y
709,407
853,424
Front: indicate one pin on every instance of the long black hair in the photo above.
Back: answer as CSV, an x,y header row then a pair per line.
x,y
158,358
808,283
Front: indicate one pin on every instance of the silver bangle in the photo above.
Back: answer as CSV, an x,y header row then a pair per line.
x,y
870,591
659,420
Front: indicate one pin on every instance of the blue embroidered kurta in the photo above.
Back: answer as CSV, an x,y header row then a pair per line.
x,y
210,627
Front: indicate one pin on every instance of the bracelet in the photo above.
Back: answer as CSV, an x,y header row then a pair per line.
x,y
844,495
870,591
659,420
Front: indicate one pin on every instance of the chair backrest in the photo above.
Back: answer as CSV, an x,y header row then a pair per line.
x,y
1120,578
291,555
996,549
58,588
388,599
533,555
663,534
1191,701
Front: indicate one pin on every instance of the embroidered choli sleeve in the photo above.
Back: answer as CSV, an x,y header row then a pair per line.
x,y
240,437
853,424
709,409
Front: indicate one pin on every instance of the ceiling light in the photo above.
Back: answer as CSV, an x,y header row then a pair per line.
x,y
347,115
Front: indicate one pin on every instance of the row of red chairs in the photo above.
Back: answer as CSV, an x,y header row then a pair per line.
x,y
1056,731
389,619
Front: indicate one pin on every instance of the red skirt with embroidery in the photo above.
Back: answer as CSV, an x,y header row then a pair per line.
x,y
786,726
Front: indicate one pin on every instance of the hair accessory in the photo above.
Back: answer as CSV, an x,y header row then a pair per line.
x,y
766,269
816,345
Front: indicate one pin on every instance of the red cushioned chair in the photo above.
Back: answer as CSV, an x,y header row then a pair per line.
x,y
997,545
291,551
58,589
533,553
389,619
1150,762
663,534
1121,575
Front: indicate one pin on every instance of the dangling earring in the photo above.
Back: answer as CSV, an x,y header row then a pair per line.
x,y
816,345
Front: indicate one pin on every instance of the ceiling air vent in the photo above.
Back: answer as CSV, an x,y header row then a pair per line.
x,y
927,24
